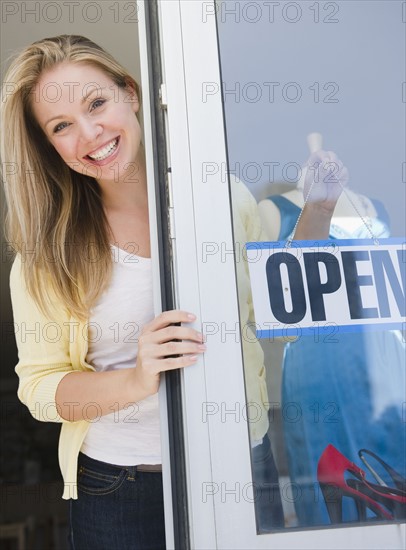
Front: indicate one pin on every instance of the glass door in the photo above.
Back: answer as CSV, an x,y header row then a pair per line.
x,y
296,79
273,425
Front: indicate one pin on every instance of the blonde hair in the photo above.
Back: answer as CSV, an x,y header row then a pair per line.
x,y
55,218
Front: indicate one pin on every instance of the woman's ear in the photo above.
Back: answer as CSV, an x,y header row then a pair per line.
x,y
132,96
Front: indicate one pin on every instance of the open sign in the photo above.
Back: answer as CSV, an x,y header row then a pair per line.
x,y
353,284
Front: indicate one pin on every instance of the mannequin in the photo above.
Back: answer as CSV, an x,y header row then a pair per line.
x,y
247,227
348,387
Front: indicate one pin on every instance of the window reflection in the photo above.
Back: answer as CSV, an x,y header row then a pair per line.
x,y
288,72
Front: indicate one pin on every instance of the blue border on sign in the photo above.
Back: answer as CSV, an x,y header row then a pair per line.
x,y
329,242
326,330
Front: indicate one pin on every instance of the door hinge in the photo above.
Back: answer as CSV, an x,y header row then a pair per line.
x,y
162,96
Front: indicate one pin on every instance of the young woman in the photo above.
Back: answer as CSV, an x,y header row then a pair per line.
x,y
78,220
75,183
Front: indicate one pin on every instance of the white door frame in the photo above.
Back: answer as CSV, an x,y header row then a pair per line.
x,y
220,496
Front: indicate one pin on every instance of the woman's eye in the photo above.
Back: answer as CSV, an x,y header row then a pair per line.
x,y
97,103
60,127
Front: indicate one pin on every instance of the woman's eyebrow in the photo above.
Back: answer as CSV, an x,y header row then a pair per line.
x,y
54,118
84,99
92,90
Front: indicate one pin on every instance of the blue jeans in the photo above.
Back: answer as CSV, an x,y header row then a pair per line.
x,y
268,502
118,508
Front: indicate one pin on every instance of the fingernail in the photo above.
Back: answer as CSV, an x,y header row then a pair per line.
x,y
202,347
191,316
193,357
200,336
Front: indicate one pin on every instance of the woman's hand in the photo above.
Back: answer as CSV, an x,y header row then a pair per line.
x,y
164,346
325,179
114,390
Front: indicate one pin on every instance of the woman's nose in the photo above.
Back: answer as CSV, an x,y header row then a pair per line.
x,y
89,130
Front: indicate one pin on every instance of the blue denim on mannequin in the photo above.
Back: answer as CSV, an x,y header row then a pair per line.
x,y
267,497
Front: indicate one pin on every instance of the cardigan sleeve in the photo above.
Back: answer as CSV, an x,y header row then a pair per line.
x,y
247,227
43,349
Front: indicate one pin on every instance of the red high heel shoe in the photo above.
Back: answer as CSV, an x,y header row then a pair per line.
x,y
330,474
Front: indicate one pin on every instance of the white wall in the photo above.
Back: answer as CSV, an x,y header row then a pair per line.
x,y
112,24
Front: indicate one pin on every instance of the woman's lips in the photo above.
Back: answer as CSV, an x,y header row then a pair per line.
x,y
105,153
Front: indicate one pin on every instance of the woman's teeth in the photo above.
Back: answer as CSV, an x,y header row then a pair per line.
x,y
105,152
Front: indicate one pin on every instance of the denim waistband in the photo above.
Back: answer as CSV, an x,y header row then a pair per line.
x,y
106,467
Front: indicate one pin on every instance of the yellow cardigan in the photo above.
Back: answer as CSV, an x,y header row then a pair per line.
x,y
49,349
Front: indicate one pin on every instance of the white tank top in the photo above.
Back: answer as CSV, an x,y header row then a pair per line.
x,y
130,436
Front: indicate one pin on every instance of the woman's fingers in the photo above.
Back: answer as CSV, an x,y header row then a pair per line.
x,y
153,351
167,318
173,332
172,363
180,348
165,345
162,329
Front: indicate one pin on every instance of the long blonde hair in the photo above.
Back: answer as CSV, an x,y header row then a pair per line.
x,y
55,218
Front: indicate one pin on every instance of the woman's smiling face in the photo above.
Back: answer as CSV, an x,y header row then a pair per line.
x,y
89,120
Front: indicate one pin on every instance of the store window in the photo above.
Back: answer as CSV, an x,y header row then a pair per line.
x,y
326,406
